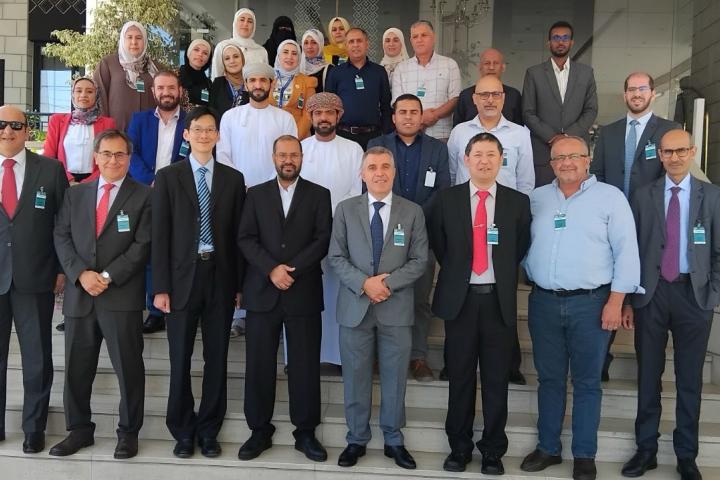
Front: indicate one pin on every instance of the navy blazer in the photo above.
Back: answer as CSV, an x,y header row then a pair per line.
x,y
143,131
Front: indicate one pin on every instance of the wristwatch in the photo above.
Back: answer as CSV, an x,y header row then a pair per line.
x,y
106,276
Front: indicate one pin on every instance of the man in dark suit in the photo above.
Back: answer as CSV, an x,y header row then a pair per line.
x,y
421,163
102,239
626,151
558,99
197,272
31,193
284,234
489,224
678,229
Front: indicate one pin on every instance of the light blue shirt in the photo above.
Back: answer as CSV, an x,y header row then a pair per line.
x,y
517,171
597,247
195,165
684,198
639,128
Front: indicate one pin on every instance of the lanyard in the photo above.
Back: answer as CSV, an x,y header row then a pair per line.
x,y
283,88
234,94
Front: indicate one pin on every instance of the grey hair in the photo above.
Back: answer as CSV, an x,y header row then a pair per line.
x,y
422,22
377,151
572,137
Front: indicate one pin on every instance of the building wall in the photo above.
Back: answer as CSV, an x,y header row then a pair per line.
x,y
17,52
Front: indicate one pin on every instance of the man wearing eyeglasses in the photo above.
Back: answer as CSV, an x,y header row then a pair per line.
x,y
31,193
558,99
678,231
583,260
102,239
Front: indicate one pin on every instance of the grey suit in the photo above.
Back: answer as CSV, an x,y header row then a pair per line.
x,y
350,256
547,115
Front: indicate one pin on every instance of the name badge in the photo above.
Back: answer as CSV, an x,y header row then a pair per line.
x,y
140,85
493,235
399,236
560,221
205,95
505,161
430,178
650,151
421,92
359,83
40,198
184,149
699,235
301,101
123,222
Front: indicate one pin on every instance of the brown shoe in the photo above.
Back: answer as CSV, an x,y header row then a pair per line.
x,y
420,371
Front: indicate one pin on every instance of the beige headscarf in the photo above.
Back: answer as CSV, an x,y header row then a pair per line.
x,y
133,65
391,62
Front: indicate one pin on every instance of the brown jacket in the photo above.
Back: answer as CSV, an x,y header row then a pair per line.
x,y
302,86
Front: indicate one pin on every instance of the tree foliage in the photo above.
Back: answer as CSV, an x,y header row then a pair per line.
x,y
87,49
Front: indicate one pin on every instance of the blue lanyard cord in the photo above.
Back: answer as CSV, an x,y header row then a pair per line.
x,y
235,93
283,88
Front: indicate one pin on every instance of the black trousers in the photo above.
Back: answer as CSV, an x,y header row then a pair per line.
x,y
262,335
32,313
673,308
478,334
361,138
213,311
122,332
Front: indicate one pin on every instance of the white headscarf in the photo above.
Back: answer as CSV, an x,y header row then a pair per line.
x,y
310,66
279,70
134,65
218,68
391,62
236,34
252,50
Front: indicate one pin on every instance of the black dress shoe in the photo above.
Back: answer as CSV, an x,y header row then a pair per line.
x,y
350,455
184,448
443,375
254,446
402,457
60,327
584,469
517,378
34,442
492,465
127,447
538,460
153,323
209,447
311,447
640,463
688,469
76,440
2,435
605,376
456,461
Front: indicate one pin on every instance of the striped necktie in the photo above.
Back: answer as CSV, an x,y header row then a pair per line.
x,y
206,235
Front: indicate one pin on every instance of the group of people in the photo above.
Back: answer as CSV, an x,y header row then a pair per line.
x,y
323,216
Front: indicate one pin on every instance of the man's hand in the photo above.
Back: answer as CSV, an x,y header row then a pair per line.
x,y
59,284
162,302
612,311
280,277
375,289
429,117
628,317
92,282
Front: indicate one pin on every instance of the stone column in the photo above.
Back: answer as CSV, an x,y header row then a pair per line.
x,y
17,52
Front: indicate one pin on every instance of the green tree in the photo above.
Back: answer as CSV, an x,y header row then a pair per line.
x,y
160,18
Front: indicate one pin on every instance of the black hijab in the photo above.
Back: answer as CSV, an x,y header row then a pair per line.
x,y
277,36
194,81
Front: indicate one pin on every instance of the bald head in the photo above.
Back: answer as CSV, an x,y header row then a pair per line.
x,y
12,141
677,154
489,98
492,62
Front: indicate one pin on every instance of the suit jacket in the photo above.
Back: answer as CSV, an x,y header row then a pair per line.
x,y
546,115
122,254
450,228
351,257
220,98
300,240
143,131
434,155
176,231
466,110
27,253
648,207
608,162
54,146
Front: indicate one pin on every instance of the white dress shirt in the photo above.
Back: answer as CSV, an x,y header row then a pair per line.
x,y
166,139
488,276
639,128
113,191
561,76
286,195
384,211
78,143
18,169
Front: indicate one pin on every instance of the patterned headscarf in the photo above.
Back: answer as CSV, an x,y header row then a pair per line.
x,y
84,116
325,100
133,65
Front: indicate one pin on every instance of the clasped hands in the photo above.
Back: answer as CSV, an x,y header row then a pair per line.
x,y
93,283
375,288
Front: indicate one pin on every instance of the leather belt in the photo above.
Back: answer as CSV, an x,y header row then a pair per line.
x,y
358,129
206,256
571,293
482,288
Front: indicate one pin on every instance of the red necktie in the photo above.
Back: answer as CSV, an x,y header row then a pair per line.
x,y
480,260
102,209
9,189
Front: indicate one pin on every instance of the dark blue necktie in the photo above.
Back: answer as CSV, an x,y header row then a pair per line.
x,y
376,233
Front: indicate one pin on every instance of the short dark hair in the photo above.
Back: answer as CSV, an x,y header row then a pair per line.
x,y
483,137
201,111
168,73
358,29
283,138
109,135
651,80
561,24
406,96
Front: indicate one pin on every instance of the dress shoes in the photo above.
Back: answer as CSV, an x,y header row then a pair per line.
x,y
127,446
492,465
34,442
350,455
209,447
640,463
538,460
443,375
420,370
254,446
76,440
60,327
688,469
402,457
2,435
584,469
456,461
311,447
184,448
517,378
153,323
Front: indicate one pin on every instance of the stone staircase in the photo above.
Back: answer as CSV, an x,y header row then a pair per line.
x,y
424,433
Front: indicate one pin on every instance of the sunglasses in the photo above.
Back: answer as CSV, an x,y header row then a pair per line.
x,y
13,125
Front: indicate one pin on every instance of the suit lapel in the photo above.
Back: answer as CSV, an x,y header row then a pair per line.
x,y
424,165
391,145
32,170
500,214
123,194
696,198
552,81
393,220
658,200
187,180
297,195
647,133
363,213
90,203
466,215
218,185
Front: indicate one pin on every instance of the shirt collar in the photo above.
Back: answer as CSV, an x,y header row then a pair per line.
x,y
430,62
587,183
418,139
557,70
175,116
473,189
291,187
19,158
195,165
102,181
684,184
641,120
503,123
387,200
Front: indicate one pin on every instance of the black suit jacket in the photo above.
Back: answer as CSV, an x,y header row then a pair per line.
x,y
450,230
27,253
608,162
268,239
176,231
466,110
122,254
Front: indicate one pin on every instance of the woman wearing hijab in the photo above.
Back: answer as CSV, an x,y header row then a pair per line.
x,y
336,51
394,49
193,74
312,62
293,89
228,88
283,29
244,31
70,135
124,79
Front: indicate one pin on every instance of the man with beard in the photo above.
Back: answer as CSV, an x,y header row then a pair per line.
x,y
156,135
558,99
626,154
284,234
333,162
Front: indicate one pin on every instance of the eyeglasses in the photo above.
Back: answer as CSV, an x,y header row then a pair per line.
x,y
641,89
291,156
561,38
681,152
13,125
486,95
200,131
570,156
106,155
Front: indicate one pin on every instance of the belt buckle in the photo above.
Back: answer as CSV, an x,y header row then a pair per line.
x,y
204,256
354,130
